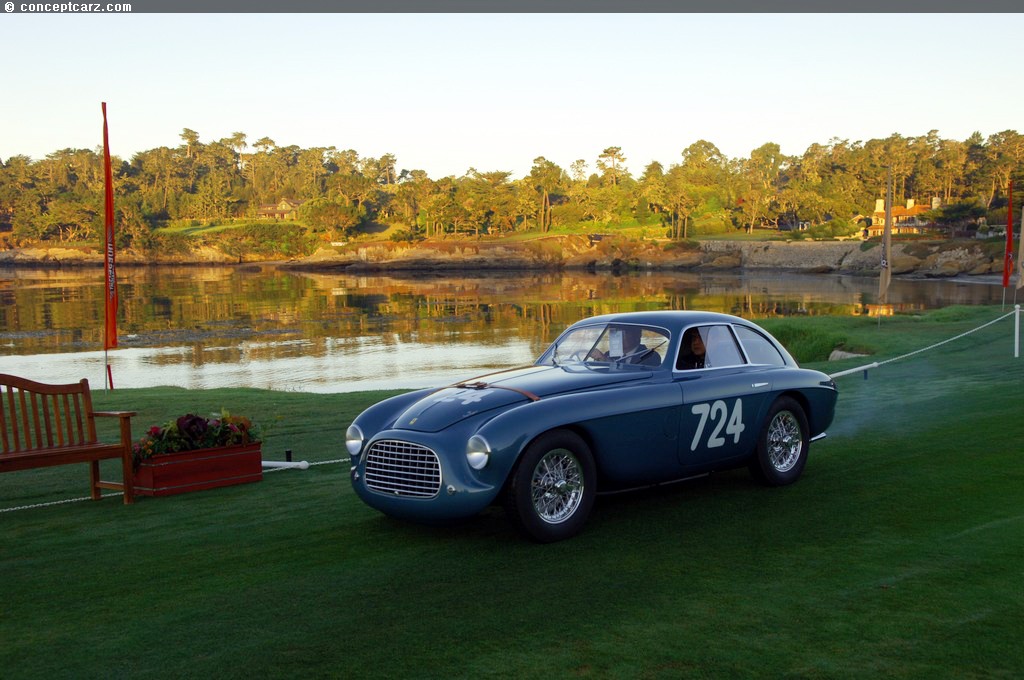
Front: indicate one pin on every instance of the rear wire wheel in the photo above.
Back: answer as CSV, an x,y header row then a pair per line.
x,y
782,445
552,488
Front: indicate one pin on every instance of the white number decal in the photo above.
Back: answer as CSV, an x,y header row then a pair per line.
x,y
736,425
702,410
719,413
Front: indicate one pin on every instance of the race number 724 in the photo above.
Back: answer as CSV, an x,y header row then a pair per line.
x,y
718,414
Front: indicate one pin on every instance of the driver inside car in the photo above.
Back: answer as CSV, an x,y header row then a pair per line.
x,y
625,346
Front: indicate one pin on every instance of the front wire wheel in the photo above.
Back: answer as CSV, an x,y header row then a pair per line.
x,y
552,488
782,445
557,487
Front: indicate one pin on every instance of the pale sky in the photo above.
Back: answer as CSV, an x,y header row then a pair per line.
x,y
446,92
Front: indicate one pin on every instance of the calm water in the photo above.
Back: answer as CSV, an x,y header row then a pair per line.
x,y
205,327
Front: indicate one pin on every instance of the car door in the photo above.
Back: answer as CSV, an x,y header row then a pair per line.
x,y
722,402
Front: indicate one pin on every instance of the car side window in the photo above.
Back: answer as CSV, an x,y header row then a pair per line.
x,y
708,347
759,349
721,348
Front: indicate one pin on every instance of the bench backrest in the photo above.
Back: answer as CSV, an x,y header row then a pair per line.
x,y
38,416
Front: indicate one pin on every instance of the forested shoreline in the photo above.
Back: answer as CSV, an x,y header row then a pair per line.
x,y
334,195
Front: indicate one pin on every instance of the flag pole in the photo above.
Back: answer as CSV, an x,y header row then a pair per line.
x,y
885,275
1008,254
110,276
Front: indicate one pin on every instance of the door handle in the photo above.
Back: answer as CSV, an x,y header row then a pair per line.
x,y
759,385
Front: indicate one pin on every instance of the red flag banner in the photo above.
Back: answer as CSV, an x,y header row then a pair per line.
x,y
110,276
1020,253
1008,255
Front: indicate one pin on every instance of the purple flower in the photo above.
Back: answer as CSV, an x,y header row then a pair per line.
x,y
192,427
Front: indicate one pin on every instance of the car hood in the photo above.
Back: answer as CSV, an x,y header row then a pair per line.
x,y
449,405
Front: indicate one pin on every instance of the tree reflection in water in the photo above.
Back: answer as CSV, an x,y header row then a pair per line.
x,y
260,326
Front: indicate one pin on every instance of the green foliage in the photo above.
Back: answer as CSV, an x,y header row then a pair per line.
x,y
267,239
404,236
201,184
171,243
712,223
336,218
806,343
831,229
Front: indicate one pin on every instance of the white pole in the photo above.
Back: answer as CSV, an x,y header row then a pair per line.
x,y
299,465
1016,330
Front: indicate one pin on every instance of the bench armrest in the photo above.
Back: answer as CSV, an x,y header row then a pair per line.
x,y
126,426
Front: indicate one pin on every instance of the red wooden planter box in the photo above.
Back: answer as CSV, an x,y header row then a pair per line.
x,y
174,473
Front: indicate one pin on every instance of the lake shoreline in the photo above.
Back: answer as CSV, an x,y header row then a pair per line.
x,y
933,259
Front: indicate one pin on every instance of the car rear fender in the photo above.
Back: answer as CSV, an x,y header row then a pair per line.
x,y
815,392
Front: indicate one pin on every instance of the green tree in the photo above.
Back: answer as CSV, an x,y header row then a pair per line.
x,y
612,163
761,180
545,179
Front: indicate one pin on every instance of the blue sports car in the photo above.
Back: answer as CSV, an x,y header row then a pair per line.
x,y
617,401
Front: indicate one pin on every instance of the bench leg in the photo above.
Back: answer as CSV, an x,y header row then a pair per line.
x,y
94,480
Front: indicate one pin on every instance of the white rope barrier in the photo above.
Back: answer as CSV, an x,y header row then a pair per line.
x,y
877,364
279,467
274,468
66,500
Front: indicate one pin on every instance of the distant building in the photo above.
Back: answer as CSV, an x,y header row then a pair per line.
x,y
285,209
908,220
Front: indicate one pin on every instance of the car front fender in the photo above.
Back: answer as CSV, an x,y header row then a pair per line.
x,y
509,433
383,414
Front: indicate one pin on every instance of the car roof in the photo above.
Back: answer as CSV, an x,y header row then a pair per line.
x,y
672,320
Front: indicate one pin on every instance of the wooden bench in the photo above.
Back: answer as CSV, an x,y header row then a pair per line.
x,y
45,425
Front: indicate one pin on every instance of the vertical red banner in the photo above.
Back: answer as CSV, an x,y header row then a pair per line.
x,y
110,276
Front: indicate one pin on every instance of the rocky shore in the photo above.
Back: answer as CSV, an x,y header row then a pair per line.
x,y
914,258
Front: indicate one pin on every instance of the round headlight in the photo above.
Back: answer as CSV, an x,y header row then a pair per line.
x,y
354,440
478,452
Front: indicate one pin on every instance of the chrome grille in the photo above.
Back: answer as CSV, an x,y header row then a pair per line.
x,y
400,468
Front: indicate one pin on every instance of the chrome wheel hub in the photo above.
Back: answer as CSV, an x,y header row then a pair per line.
x,y
557,486
785,442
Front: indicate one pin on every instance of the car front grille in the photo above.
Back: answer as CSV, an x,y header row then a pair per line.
x,y
400,468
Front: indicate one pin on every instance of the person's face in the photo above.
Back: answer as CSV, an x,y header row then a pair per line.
x,y
630,338
697,344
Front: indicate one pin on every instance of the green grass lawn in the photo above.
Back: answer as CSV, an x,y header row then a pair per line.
x,y
900,553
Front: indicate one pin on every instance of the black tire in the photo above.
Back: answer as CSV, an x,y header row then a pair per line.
x,y
782,445
552,488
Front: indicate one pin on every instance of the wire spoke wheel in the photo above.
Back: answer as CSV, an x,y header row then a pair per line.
x,y
782,444
557,486
552,488
784,441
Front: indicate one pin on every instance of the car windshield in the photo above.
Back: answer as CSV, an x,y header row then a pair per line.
x,y
613,344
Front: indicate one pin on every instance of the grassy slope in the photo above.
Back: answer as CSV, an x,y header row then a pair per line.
x,y
898,554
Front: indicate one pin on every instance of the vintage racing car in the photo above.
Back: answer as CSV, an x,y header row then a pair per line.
x,y
617,401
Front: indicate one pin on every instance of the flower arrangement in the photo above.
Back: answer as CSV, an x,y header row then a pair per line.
x,y
191,432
